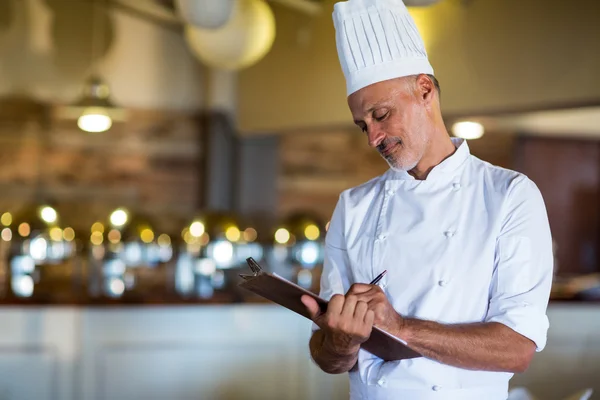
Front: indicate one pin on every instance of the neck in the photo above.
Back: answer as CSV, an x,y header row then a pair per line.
x,y
440,147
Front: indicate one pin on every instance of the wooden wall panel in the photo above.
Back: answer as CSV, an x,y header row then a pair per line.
x,y
567,173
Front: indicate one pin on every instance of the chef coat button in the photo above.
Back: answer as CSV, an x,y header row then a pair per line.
x,y
436,388
442,283
381,382
449,234
381,237
390,192
456,186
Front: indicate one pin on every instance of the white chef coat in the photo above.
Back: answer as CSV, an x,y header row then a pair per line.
x,y
471,243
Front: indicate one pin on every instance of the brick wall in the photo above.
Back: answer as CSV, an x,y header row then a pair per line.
x,y
151,163
318,165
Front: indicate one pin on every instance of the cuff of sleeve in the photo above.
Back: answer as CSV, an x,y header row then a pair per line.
x,y
526,320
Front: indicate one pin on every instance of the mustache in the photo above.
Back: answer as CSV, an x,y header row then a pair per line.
x,y
387,143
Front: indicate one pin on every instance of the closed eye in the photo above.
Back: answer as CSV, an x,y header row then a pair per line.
x,y
381,118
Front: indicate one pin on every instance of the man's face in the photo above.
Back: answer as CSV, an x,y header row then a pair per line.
x,y
394,118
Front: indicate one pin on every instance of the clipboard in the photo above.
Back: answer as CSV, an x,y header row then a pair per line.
x,y
287,294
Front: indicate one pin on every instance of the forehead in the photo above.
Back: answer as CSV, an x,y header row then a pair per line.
x,y
376,95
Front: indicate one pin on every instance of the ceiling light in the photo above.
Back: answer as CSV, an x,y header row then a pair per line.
x,y
468,130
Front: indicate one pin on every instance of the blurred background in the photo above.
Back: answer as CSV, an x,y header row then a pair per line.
x,y
148,147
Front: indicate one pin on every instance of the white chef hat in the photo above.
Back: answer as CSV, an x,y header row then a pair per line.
x,y
377,40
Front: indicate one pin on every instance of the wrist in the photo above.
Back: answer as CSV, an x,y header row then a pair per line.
x,y
337,350
406,329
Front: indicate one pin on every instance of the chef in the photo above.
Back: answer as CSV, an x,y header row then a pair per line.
x,y
466,244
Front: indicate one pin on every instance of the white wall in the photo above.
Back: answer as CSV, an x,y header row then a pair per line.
x,y
490,55
147,66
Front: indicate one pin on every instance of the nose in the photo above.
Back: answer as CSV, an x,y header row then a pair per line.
x,y
375,136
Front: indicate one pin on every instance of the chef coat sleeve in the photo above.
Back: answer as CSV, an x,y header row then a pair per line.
x,y
523,269
335,278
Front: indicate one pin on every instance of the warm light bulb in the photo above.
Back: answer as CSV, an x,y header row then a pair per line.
x,y
56,234
204,239
97,227
6,219
68,234
147,235
232,234
250,235
114,236
197,229
187,237
96,238
468,130
94,120
24,229
164,240
6,234
48,214
118,217
312,232
282,235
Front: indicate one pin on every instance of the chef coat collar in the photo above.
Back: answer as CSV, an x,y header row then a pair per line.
x,y
449,165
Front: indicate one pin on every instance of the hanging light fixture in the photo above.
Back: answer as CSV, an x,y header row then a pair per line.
x,y
420,3
95,116
94,110
96,106
245,38
207,14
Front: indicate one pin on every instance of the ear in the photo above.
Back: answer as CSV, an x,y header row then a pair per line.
x,y
425,88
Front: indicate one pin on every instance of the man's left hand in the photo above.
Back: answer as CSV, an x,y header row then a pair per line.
x,y
386,317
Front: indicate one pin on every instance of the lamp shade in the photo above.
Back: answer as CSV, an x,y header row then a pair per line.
x,y
246,37
94,110
205,14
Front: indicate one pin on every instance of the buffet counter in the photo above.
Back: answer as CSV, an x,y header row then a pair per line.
x,y
221,352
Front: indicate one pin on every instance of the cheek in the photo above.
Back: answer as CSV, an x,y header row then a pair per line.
x,y
396,127
414,125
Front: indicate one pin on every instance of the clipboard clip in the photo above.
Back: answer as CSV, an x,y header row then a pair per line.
x,y
256,269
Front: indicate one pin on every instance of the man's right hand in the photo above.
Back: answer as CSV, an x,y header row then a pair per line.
x,y
347,323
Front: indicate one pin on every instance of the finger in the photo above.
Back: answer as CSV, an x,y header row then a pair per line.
x,y
349,306
369,317
336,304
359,288
360,310
311,306
369,296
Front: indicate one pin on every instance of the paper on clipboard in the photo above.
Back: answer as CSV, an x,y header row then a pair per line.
x,y
283,292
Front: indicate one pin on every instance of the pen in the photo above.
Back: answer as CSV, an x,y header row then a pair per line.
x,y
376,280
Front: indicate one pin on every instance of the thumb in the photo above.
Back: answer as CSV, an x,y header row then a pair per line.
x,y
311,306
